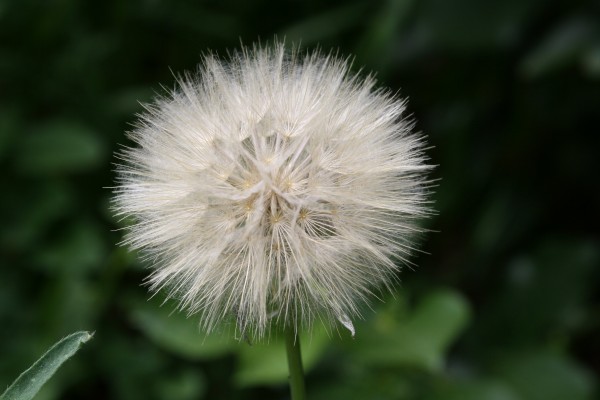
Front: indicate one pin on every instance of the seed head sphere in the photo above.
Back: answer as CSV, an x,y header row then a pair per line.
x,y
273,187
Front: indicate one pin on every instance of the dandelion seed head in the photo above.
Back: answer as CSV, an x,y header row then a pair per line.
x,y
274,187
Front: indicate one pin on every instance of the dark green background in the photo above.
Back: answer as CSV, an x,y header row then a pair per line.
x,y
504,303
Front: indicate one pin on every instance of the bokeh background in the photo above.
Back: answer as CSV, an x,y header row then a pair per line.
x,y
504,303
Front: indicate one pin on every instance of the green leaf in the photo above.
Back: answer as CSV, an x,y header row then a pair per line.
x,y
539,296
545,375
266,363
416,339
380,384
178,334
472,389
186,384
29,382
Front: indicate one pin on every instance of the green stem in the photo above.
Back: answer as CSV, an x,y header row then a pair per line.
x,y
292,344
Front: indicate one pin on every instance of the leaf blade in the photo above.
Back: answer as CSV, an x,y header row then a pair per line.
x,y
26,386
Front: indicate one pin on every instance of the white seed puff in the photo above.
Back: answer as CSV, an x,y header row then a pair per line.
x,y
274,187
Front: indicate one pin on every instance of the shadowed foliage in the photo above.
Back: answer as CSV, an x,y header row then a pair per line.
x,y
504,300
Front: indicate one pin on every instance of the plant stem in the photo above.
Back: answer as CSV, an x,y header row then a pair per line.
x,y
292,344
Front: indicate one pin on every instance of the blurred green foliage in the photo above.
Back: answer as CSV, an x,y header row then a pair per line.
x,y
505,303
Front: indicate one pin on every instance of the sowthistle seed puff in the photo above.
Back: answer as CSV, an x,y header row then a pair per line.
x,y
274,187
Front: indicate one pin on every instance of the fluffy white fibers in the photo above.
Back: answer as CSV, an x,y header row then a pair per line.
x,y
274,187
